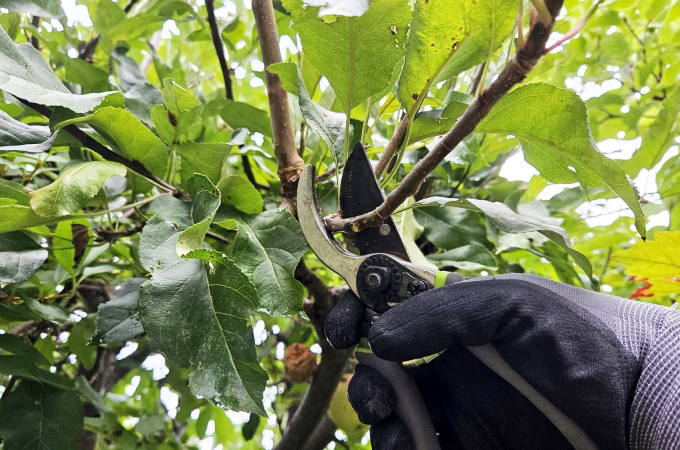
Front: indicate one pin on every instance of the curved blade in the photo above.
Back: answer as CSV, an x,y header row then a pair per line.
x,y
359,194
324,246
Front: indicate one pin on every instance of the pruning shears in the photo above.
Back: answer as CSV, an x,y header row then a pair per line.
x,y
381,275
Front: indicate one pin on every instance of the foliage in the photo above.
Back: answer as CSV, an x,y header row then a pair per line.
x,y
150,280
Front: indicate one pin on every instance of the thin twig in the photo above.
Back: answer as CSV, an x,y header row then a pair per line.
x,y
219,47
35,42
329,173
392,147
289,162
577,29
217,237
514,72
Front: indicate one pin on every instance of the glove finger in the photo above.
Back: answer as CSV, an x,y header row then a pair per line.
x,y
342,324
391,434
468,313
371,395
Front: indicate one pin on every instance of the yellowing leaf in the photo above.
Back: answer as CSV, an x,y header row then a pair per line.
x,y
657,258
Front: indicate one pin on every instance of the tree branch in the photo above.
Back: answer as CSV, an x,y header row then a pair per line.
x,y
392,147
514,72
290,163
94,145
329,371
219,47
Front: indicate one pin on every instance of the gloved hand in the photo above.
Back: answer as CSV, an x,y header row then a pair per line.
x,y
609,364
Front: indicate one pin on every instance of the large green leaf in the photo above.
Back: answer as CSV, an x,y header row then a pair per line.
x,y
27,369
490,22
348,8
268,247
16,345
467,55
468,257
552,126
209,159
428,124
244,115
129,136
508,221
17,217
25,74
20,257
118,319
74,187
42,8
437,29
659,136
18,136
40,417
359,56
241,194
197,313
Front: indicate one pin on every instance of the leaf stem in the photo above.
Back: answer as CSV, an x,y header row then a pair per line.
x,y
364,128
577,29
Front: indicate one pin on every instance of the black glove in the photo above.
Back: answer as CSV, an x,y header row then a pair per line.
x,y
562,340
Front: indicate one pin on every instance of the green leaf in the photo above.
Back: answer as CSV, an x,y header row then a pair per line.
x,y
77,341
39,417
208,159
468,257
217,299
74,187
437,29
26,369
17,217
267,248
330,125
16,345
43,8
288,74
15,191
244,115
20,257
508,221
130,137
118,319
658,138
490,22
467,55
46,311
449,228
25,74
349,8
203,209
360,56
241,194
183,106
552,126
17,136
428,124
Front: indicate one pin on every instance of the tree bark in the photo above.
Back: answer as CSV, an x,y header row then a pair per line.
x,y
289,161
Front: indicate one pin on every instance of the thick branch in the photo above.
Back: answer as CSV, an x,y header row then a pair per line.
x,y
328,372
290,162
515,71
103,151
392,147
